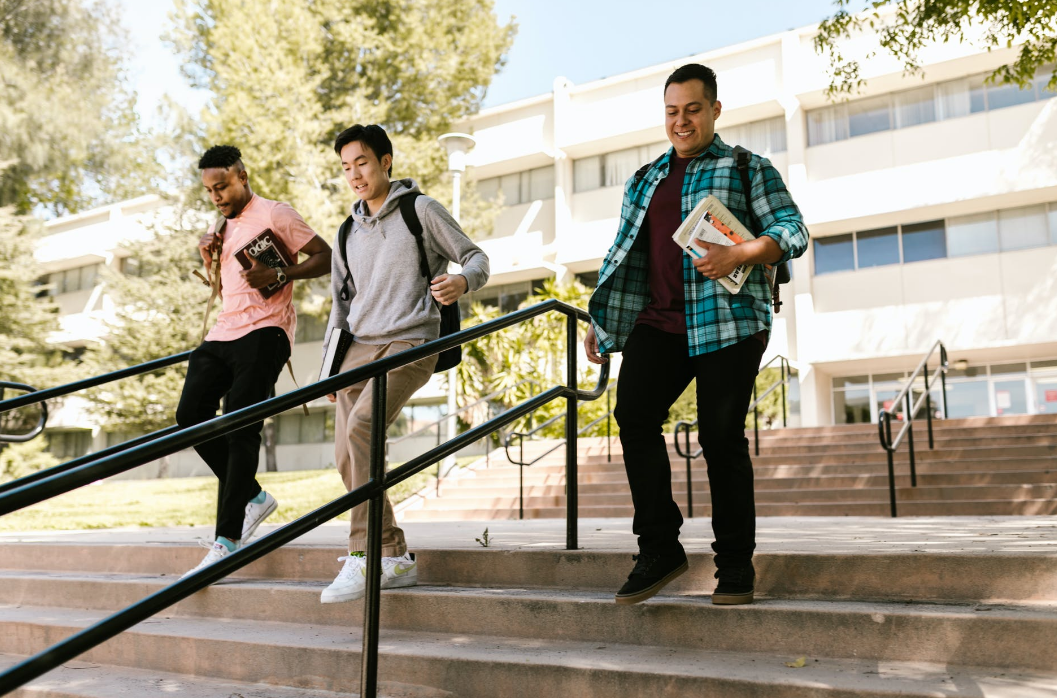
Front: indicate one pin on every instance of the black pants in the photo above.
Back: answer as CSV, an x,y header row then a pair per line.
x,y
243,372
656,369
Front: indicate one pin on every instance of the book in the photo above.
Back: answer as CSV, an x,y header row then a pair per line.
x,y
267,248
336,349
711,221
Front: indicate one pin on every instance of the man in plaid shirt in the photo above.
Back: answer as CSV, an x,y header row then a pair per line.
x,y
674,322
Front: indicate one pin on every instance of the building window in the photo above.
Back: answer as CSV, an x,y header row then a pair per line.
x,y
519,187
764,137
71,280
923,241
67,445
298,428
945,100
1021,228
835,253
969,235
613,169
875,248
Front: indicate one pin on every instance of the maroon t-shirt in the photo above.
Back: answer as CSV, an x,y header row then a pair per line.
x,y
664,215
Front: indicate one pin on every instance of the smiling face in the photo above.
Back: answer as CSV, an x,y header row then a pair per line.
x,y
690,117
367,176
228,188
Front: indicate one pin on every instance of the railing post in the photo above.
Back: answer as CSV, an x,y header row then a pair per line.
x,y
571,492
891,465
372,596
689,477
943,377
928,407
910,439
521,477
785,372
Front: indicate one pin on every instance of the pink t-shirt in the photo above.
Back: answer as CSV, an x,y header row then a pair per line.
x,y
245,309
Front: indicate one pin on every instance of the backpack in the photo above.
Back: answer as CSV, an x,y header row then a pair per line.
x,y
450,316
776,275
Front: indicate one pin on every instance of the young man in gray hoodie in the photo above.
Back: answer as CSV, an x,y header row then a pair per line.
x,y
388,306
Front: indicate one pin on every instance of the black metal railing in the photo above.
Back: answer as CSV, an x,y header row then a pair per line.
x,y
42,421
684,426
904,399
521,436
486,400
372,492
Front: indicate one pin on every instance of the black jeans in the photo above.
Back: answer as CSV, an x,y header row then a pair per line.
x,y
243,372
656,369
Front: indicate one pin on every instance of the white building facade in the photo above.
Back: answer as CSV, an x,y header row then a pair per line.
x,y
931,201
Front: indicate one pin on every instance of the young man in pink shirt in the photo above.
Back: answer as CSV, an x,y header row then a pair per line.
x,y
241,357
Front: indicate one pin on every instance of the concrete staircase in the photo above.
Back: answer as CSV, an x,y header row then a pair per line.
x,y
523,623
980,466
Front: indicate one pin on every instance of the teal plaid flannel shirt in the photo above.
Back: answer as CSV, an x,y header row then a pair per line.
x,y
715,318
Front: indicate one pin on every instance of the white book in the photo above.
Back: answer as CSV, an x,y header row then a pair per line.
x,y
340,341
711,221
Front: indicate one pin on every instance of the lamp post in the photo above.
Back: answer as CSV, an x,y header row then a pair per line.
x,y
457,145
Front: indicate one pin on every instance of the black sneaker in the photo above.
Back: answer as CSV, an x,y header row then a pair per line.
x,y
736,586
652,572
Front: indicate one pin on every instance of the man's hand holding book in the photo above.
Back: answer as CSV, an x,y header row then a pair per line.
x,y
718,261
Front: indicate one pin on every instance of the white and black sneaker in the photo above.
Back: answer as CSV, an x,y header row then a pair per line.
x,y
256,514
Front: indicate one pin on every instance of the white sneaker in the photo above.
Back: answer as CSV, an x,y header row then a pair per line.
x,y
351,582
216,552
399,571
256,514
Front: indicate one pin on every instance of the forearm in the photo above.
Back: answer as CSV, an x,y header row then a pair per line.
x,y
314,266
762,250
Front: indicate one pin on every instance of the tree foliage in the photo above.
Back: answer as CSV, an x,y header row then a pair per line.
x,y
308,70
68,129
905,27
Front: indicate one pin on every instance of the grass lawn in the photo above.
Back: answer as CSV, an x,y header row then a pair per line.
x,y
189,501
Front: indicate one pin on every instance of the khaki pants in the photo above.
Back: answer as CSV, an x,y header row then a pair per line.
x,y
352,433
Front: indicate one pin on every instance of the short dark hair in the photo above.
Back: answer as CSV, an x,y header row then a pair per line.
x,y
221,156
695,71
372,136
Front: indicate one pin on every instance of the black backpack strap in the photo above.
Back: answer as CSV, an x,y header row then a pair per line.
x,y
742,158
407,210
343,236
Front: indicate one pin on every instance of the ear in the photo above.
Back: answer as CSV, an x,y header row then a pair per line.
x,y
386,162
717,108
244,176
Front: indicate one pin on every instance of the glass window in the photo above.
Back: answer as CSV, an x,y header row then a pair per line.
x,y
1008,368
851,381
510,187
827,125
834,254
620,165
869,116
1053,224
968,399
952,99
587,173
1011,397
851,406
312,428
524,188
541,183
288,428
1008,95
1021,228
877,247
1046,394
488,189
915,107
1042,80
923,241
763,137
977,96
977,234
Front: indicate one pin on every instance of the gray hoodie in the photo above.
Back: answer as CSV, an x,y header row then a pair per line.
x,y
389,299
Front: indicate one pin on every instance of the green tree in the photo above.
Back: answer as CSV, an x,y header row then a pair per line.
x,y
905,27
19,460
307,70
69,129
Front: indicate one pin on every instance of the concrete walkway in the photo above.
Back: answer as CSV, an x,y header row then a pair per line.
x,y
848,535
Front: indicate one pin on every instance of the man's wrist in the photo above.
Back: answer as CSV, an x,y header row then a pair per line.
x,y
280,275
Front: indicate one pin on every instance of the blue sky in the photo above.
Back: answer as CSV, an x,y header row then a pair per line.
x,y
580,39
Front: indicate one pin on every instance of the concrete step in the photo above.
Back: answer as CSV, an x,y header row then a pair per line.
x,y
472,666
52,573
589,497
879,508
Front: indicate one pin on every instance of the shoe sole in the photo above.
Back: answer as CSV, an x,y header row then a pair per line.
x,y
400,582
252,528
651,591
732,599
342,598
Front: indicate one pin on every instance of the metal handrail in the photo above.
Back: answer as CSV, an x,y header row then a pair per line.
x,y
685,426
884,419
520,462
33,433
373,491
